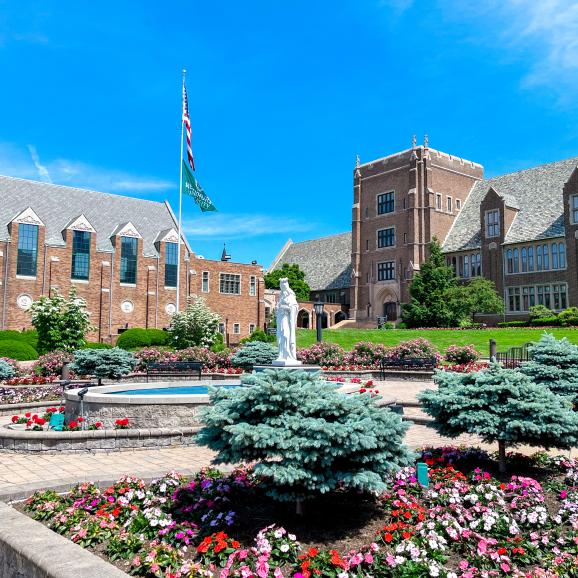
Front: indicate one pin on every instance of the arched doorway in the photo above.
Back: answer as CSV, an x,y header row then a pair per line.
x,y
390,310
340,316
303,319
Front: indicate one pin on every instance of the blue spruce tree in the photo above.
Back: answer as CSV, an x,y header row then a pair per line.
x,y
304,436
500,405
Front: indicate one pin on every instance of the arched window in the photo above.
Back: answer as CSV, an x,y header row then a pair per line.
x,y
530,258
546,258
562,255
554,255
539,259
524,260
516,260
510,262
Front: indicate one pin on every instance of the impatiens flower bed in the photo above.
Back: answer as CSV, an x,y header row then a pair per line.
x,y
466,524
10,395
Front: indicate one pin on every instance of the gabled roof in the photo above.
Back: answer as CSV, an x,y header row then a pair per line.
x,y
535,193
57,206
326,262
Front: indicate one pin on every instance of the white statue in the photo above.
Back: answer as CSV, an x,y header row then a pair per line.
x,y
287,309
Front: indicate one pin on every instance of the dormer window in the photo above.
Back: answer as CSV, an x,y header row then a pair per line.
x,y
493,223
27,250
128,259
80,255
171,264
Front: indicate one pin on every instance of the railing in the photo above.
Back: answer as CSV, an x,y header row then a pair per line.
x,y
512,358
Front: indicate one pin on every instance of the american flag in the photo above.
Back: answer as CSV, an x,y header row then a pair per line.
x,y
187,122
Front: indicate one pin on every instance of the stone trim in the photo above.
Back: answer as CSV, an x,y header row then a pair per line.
x,y
95,440
28,548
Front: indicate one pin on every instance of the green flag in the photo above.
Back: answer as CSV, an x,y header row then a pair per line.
x,y
192,188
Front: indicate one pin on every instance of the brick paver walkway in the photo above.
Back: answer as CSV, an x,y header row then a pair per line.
x,y
21,474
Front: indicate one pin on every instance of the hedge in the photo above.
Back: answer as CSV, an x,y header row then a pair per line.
x,y
30,337
96,345
138,337
18,350
513,324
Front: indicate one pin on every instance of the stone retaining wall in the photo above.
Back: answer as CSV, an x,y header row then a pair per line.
x,y
29,549
95,441
33,407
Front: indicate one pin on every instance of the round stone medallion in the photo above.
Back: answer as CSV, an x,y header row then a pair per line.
x,y
171,308
127,306
24,301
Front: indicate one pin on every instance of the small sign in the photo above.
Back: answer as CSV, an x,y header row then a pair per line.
x,y
56,421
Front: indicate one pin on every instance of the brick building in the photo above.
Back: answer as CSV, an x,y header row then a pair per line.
x,y
519,230
121,255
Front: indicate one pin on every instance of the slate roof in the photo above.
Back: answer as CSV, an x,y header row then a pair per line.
x,y
325,261
536,193
57,206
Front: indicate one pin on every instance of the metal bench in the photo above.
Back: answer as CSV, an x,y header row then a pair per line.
x,y
426,363
175,369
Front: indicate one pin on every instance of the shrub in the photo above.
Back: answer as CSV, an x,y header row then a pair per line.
x,y
30,337
6,370
461,354
219,343
259,335
61,322
51,363
324,354
500,405
196,326
103,363
538,311
97,345
568,316
414,349
254,353
138,337
151,355
504,324
545,321
18,350
554,364
297,430
366,353
387,325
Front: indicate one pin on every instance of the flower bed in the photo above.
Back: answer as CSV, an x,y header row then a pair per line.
x,y
466,525
17,395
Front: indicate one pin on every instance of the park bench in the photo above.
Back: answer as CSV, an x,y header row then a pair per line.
x,y
174,369
419,363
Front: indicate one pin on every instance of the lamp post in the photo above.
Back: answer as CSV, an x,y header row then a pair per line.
x,y
318,307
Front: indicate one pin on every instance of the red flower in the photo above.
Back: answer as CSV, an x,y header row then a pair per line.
x,y
388,537
73,424
502,551
80,419
27,414
40,421
98,424
312,552
14,418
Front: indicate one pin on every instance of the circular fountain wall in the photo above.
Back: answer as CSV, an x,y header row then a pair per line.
x,y
146,405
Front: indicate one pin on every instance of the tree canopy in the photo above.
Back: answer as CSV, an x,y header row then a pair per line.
x,y
296,279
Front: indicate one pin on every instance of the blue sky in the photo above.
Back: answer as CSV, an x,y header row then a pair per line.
x,y
283,95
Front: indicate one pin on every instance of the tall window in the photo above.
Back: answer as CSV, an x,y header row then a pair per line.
x,y
253,286
385,203
386,271
205,282
562,255
439,202
510,261
236,328
516,260
466,265
27,250
539,258
554,255
80,255
493,223
128,250
230,284
450,207
530,258
458,204
574,207
546,258
524,254
171,261
386,237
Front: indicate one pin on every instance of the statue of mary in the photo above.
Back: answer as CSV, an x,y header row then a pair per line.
x,y
287,308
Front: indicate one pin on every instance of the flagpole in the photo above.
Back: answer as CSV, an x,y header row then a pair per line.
x,y
180,197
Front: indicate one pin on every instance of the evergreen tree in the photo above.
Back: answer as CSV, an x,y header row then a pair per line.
x,y
500,405
429,306
554,363
103,363
303,435
477,296
254,353
296,279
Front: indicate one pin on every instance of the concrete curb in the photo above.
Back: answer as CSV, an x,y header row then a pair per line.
x,y
29,549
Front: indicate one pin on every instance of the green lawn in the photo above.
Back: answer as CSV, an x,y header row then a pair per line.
x,y
441,338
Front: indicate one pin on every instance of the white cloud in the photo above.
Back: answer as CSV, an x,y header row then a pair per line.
x,y
227,226
15,163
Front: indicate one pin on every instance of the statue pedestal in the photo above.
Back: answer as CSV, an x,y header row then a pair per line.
x,y
307,368
287,363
